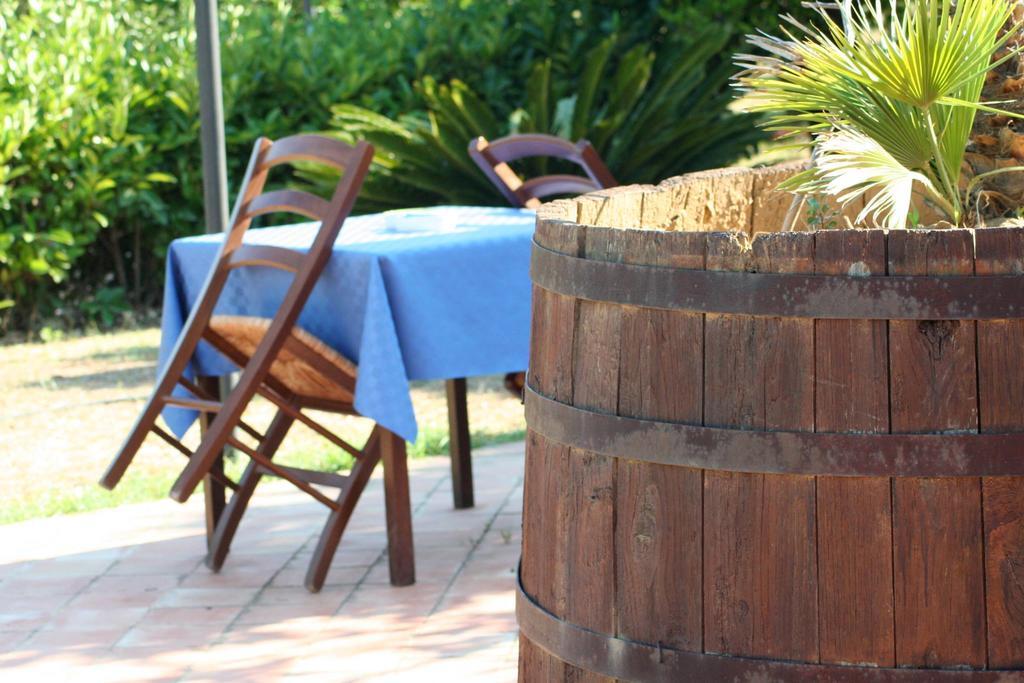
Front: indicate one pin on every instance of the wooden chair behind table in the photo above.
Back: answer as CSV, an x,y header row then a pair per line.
x,y
494,158
278,361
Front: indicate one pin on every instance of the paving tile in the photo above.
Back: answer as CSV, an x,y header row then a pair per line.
x,y
434,539
64,639
73,619
209,616
23,620
359,652
233,654
154,665
123,595
192,546
139,566
124,591
30,586
11,639
362,537
9,570
229,577
16,658
396,604
274,614
514,502
464,636
345,571
348,554
78,664
294,576
16,603
254,560
207,597
60,568
277,638
300,596
481,589
355,665
482,666
441,506
172,636
218,671
499,566
430,567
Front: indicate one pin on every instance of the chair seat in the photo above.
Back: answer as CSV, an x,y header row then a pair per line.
x,y
290,368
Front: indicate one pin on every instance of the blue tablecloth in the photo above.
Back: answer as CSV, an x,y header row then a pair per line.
x,y
408,295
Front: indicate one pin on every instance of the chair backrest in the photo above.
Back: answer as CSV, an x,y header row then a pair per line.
x,y
252,201
493,159
352,160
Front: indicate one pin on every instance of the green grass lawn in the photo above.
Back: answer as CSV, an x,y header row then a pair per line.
x,y
66,405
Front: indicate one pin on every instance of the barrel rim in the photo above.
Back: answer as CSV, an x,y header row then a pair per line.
x,y
795,295
727,449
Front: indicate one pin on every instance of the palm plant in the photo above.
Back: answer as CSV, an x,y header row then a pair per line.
x,y
885,99
651,110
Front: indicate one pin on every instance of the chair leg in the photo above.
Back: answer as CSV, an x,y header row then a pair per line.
x,y
320,564
116,468
217,436
213,500
187,342
401,558
220,544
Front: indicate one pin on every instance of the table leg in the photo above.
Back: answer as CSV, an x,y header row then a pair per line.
x,y
458,443
401,558
213,491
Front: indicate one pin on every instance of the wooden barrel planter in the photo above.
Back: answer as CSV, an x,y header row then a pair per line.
x,y
770,456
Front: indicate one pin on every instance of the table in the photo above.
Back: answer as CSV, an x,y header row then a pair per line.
x,y
418,294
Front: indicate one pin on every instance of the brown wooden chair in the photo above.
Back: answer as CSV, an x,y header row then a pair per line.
x,y
493,158
279,361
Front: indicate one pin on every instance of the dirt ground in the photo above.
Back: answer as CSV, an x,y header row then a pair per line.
x,y
65,407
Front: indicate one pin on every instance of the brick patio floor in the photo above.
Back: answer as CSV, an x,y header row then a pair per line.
x,y
123,594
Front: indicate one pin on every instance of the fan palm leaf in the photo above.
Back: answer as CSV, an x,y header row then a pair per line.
x,y
907,77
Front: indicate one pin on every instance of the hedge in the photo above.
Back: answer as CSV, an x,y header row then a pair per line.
x,y
99,152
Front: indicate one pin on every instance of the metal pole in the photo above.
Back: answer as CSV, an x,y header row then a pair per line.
x,y
211,117
211,125
215,191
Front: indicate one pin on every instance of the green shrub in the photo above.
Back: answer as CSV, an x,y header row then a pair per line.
x,y
651,111
79,81
746,16
99,153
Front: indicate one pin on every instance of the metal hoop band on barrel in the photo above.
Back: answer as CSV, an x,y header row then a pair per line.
x,y
989,297
630,660
809,453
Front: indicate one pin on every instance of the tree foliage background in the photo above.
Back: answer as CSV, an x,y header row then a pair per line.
x,y
99,152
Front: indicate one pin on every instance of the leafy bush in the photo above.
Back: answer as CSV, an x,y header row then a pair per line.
x,y
745,16
65,103
645,82
651,111
99,152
